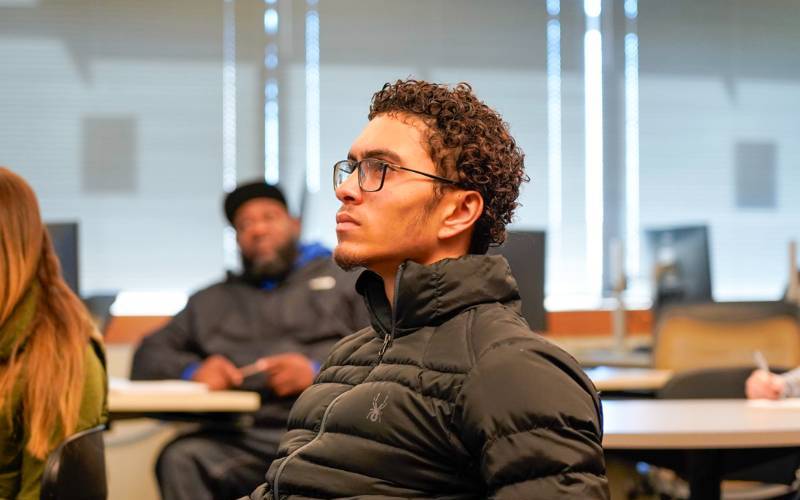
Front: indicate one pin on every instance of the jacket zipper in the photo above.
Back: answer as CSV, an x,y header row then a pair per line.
x,y
298,450
387,339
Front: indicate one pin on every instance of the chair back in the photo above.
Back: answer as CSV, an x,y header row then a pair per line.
x,y
525,253
713,383
725,334
76,470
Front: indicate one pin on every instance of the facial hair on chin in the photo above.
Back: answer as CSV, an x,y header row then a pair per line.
x,y
275,268
346,261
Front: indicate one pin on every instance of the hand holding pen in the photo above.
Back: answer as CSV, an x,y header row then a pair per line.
x,y
762,383
286,374
258,366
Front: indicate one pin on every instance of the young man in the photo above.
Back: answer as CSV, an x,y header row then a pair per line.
x,y
448,394
280,317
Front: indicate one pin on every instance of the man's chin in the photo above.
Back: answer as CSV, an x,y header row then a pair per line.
x,y
271,265
347,259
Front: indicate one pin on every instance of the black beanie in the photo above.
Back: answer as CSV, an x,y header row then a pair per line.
x,y
246,192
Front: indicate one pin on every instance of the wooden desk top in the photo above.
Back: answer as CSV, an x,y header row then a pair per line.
x,y
607,378
700,424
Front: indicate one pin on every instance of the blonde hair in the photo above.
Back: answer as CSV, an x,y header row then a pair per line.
x,y
50,367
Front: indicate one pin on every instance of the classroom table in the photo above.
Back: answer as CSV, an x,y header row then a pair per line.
x,y
694,426
617,379
130,399
591,357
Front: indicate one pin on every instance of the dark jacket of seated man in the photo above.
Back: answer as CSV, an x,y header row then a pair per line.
x,y
265,331
307,313
451,397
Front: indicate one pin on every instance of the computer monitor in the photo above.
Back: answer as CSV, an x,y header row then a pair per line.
x,y
65,241
680,265
524,251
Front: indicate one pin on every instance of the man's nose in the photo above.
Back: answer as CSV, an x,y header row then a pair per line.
x,y
263,227
348,191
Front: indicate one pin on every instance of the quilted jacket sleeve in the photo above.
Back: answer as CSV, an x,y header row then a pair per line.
x,y
532,422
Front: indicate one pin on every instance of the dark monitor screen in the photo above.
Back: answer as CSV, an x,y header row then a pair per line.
x,y
680,264
65,241
525,252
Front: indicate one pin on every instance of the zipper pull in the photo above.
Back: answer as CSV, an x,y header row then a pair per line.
x,y
386,339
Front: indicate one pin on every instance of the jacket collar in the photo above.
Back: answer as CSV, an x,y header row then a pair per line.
x,y
430,295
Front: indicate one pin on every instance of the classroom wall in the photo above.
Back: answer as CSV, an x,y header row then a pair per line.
x,y
113,111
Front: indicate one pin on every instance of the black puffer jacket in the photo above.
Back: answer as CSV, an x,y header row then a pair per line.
x,y
452,397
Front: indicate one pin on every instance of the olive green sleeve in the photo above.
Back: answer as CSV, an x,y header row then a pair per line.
x,y
93,412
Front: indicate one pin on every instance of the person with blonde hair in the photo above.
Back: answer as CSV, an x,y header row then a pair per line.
x,y
52,366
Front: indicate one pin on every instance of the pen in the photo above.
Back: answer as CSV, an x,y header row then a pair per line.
x,y
761,361
253,368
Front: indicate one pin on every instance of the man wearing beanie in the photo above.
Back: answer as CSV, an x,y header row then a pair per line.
x,y
265,330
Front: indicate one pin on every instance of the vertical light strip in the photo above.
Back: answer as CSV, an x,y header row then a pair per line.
x,y
632,205
229,96
271,21
271,132
554,162
632,9
312,98
271,110
229,249
593,117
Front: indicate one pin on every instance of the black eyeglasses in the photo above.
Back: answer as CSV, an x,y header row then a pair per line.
x,y
372,172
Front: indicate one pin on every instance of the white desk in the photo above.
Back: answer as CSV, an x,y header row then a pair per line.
x,y
130,397
607,378
211,402
700,424
701,431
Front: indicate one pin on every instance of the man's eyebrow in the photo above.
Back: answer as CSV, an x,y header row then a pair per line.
x,y
384,154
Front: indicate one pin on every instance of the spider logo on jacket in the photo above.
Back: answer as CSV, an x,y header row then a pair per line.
x,y
374,414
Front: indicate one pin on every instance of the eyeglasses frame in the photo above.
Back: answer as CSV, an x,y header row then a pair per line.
x,y
356,164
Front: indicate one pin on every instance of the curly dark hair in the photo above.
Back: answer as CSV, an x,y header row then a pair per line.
x,y
468,139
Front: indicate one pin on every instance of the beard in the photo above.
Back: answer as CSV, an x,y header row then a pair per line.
x,y
277,268
348,261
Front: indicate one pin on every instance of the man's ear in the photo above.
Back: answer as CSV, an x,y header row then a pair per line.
x,y
296,226
461,210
